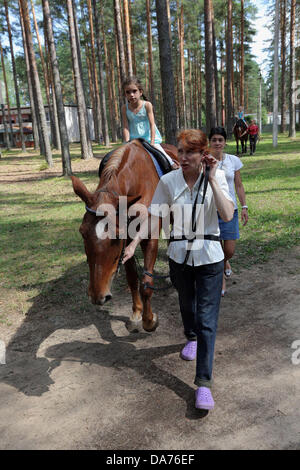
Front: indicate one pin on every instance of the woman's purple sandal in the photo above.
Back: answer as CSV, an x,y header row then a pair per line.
x,y
189,351
204,399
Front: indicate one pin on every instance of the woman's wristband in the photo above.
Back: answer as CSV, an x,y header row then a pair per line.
x,y
245,207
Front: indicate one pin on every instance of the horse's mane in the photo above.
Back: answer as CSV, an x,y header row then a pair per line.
x,y
114,162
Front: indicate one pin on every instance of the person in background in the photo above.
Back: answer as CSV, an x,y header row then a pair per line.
x,y
138,117
195,272
231,166
253,132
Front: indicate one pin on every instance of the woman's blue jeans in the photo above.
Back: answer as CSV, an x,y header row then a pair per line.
x,y
199,290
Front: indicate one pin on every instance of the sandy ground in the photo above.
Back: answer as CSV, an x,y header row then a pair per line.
x,y
78,380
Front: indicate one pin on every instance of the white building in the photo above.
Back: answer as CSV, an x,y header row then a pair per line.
x,y
71,120
287,117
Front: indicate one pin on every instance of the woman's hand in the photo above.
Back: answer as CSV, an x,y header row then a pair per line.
x,y
212,162
244,215
129,251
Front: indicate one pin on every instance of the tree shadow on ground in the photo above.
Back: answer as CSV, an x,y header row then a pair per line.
x,y
62,304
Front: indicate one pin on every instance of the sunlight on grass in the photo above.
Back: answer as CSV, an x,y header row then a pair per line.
x,y
40,218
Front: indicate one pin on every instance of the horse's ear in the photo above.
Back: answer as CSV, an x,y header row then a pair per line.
x,y
81,190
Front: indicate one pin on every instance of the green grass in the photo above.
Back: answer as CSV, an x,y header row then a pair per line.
x,y
40,219
272,182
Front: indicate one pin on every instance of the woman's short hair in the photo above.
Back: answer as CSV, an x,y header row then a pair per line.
x,y
193,139
217,131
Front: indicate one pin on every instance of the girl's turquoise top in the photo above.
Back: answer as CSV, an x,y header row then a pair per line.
x,y
139,125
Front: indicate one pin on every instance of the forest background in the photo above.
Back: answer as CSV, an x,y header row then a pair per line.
x,y
98,42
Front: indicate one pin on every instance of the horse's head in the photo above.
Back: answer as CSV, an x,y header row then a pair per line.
x,y
103,237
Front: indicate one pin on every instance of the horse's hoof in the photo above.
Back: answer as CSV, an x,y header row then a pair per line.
x,y
134,326
151,326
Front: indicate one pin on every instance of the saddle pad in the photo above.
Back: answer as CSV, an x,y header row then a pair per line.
x,y
156,164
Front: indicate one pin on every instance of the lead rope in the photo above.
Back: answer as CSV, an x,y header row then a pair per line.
x,y
190,243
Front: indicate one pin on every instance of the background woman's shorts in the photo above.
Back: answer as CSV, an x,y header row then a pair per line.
x,y
230,230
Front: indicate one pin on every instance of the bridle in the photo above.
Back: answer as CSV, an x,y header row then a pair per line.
x,y
144,272
92,211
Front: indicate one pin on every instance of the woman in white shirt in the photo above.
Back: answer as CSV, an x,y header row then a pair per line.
x,y
196,267
231,166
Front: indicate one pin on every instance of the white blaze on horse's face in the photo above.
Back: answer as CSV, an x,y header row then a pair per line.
x,y
106,227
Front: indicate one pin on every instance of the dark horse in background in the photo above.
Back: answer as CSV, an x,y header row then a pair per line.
x,y
129,172
240,134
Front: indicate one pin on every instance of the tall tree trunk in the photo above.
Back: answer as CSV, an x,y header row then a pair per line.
x,y
169,19
150,59
242,79
30,90
78,45
182,70
119,84
64,139
166,71
229,103
209,68
283,67
44,135
10,141
222,91
132,40
98,122
232,60
92,91
120,54
101,77
275,87
215,66
200,87
20,120
292,126
55,137
7,142
119,34
110,87
86,148
128,37
190,113
49,71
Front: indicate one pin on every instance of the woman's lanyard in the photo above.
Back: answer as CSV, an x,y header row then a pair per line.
x,y
194,219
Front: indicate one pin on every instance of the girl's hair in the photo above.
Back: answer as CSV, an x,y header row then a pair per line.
x,y
193,139
133,80
219,131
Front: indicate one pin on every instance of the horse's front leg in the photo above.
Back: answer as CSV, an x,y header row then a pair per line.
x,y
134,323
150,249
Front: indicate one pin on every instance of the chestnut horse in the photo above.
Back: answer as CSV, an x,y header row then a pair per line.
x,y
129,172
239,134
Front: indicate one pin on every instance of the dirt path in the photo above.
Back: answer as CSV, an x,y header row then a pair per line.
x,y
77,380
80,381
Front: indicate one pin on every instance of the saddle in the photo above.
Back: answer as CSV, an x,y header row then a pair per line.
x,y
158,155
162,161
